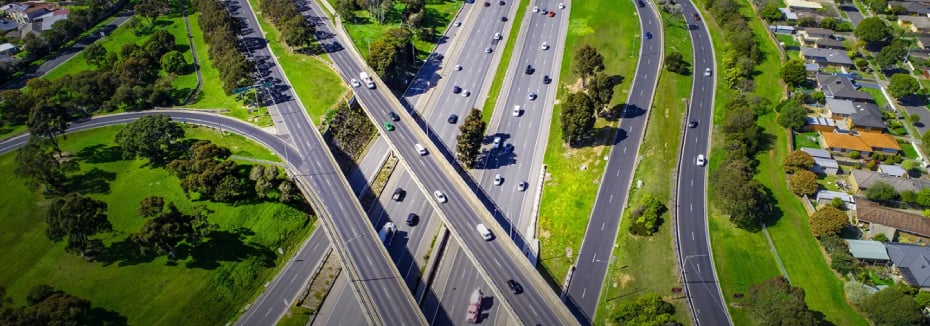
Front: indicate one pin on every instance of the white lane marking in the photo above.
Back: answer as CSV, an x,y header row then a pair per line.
x,y
593,258
611,199
585,291
603,225
692,236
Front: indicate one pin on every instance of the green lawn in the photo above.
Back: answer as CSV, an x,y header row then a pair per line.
x,y
364,30
488,109
203,287
316,84
877,94
570,191
909,150
211,94
742,258
803,139
650,261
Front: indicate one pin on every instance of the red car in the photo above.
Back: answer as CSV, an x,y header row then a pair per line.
x,y
552,14
487,4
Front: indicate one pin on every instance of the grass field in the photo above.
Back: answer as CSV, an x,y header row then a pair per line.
x,y
205,286
574,173
211,94
364,30
802,139
488,109
742,258
650,261
316,84
880,99
909,150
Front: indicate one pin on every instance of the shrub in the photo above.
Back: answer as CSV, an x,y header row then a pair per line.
x,y
842,262
854,155
647,217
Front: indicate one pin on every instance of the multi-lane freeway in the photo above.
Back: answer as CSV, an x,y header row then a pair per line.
x,y
584,291
498,260
694,254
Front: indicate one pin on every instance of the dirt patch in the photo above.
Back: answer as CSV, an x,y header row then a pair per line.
x,y
544,234
575,87
624,279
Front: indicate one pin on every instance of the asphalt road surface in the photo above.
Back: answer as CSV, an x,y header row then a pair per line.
x,y
853,13
584,291
694,254
376,280
456,279
462,211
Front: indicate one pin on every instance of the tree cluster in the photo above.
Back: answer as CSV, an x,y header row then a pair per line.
x,y
840,259
471,135
647,217
587,62
647,309
152,137
577,117
76,218
803,183
674,62
903,85
349,129
874,32
828,220
392,54
891,306
792,115
741,53
220,33
777,302
46,306
166,227
798,160
41,169
63,31
295,30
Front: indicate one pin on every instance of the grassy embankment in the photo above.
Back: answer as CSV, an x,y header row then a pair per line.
x,y
205,286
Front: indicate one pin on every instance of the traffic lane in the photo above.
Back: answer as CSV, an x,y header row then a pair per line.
x,y
408,240
344,310
459,279
855,16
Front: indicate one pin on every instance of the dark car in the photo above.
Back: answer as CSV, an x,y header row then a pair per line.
x,y
648,35
412,219
546,79
453,118
514,287
508,148
503,18
456,89
487,4
393,116
693,123
696,17
529,69
502,2
641,3
399,194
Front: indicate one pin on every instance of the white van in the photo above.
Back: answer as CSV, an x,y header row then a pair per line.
x,y
420,149
516,110
485,233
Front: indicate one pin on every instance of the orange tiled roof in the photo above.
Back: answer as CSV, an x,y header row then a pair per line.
x,y
876,140
845,141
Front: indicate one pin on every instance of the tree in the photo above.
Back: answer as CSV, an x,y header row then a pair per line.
x,y
577,117
471,134
165,230
794,73
881,192
776,302
842,262
601,90
803,183
828,23
892,307
647,217
891,54
36,164
771,13
674,62
150,9
793,116
48,120
798,160
14,107
862,64
58,308
647,309
922,298
902,85
873,31
828,221
743,198
76,218
587,62
95,54
160,43
150,136
173,62
913,119
287,192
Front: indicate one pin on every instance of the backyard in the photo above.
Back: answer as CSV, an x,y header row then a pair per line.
x,y
207,285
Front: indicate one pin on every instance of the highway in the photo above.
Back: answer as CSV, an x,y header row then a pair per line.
x,y
694,252
497,260
584,291
374,278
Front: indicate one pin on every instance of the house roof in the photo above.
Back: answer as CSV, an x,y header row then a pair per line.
x,y
867,249
7,25
820,121
868,115
788,14
811,67
826,163
840,86
830,43
877,140
830,55
925,40
912,261
817,32
7,47
829,195
841,106
803,4
868,179
845,141
871,212
892,170
911,7
817,152
917,21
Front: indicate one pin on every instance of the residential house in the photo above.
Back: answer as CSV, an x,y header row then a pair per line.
x,y
808,36
810,14
803,6
26,12
7,25
840,87
826,57
816,152
840,109
825,166
825,197
911,262
912,8
923,41
820,124
782,29
789,16
829,43
7,49
922,54
861,180
865,143
812,69
43,23
893,220
867,117
916,24
868,251
892,170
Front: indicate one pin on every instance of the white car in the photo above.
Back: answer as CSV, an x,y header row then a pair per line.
x,y
516,110
707,72
701,160
457,24
487,50
535,9
532,96
466,93
498,180
440,196
458,67
497,143
544,46
521,186
355,83
498,36
561,5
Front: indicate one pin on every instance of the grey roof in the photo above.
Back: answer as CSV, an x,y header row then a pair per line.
x,y
7,25
918,53
840,87
788,14
829,43
817,152
919,22
818,32
829,195
826,163
49,20
866,179
913,261
833,56
7,47
911,7
841,106
868,115
811,67
924,39
892,170
867,249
